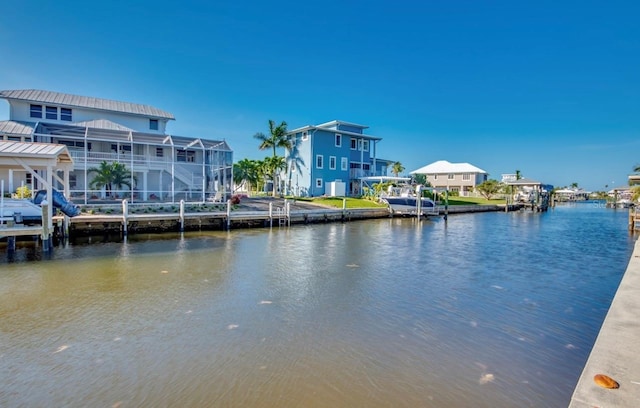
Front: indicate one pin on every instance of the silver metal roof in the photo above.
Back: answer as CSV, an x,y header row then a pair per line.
x,y
12,127
102,124
39,96
30,150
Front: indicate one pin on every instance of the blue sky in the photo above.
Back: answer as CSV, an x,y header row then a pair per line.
x,y
545,87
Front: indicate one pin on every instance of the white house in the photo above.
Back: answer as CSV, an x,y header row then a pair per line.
x,y
457,177
163,166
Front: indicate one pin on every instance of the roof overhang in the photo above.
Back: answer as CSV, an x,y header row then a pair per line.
x,y
35,155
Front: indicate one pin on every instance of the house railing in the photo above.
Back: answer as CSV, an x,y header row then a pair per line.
x,y
357,173
179,170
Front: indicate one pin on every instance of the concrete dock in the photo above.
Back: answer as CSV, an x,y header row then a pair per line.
x,y
616,352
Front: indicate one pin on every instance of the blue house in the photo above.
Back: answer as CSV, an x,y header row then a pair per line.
x,y
330,159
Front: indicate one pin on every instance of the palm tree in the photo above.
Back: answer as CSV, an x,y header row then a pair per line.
x,y
246,172
518,175
277,138
637,169
273,166
397,168
295,163
110,175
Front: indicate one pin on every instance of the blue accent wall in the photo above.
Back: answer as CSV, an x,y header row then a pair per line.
x,y
321,141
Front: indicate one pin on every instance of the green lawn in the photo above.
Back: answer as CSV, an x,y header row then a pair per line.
x,y
337,202
472,201
361,203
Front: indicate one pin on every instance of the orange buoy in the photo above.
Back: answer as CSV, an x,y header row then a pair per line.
x,y
605,381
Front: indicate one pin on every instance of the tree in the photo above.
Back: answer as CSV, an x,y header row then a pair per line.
x,y
637,169
518,175
273,166
110,175
421,179
489,188
574,185
246,172
277,138
397,168
294,164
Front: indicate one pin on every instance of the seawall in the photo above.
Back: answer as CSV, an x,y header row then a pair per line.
x,y
616,352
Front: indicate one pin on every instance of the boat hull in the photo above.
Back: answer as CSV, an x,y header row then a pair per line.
x,y
27,212
408,205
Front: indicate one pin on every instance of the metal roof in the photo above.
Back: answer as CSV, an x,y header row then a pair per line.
x,y
523,182
54,154
102,124
39,96
12,127
332,131
341,122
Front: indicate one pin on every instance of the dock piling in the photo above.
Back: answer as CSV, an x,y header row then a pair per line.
x,y
181,215
125,212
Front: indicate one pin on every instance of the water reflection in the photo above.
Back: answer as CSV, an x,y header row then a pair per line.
x,y
484,310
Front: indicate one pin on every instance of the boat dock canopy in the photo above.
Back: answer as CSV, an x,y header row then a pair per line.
x,y
36,158
35,155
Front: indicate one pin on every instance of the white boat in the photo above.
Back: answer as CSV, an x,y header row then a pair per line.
x,y
404,200
20,211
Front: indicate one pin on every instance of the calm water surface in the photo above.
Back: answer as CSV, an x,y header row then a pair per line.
x,y
486,310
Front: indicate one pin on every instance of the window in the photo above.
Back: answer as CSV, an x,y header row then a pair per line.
x,y
305,136
338,140
344,164
319,182
332,162
435,176
125,148
52,112
29,179
466,176
319,160
186,156
159,152
366,166
153,124
73,181
71,143
65,114
365,145
451,176
354,144
35,111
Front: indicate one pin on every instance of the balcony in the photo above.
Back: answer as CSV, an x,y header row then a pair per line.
x,y
357,173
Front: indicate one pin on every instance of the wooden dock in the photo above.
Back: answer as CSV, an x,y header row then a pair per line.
x,y
634,219
126,221
220,220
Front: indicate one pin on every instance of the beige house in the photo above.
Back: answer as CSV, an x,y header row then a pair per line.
x,y
456,177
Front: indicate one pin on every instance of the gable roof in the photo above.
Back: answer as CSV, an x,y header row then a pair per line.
x,y
444,167
39,96
34,153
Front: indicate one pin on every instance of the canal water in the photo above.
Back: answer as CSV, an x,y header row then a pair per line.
x,y
485,310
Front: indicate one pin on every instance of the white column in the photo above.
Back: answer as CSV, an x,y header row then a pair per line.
x,y
10,181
